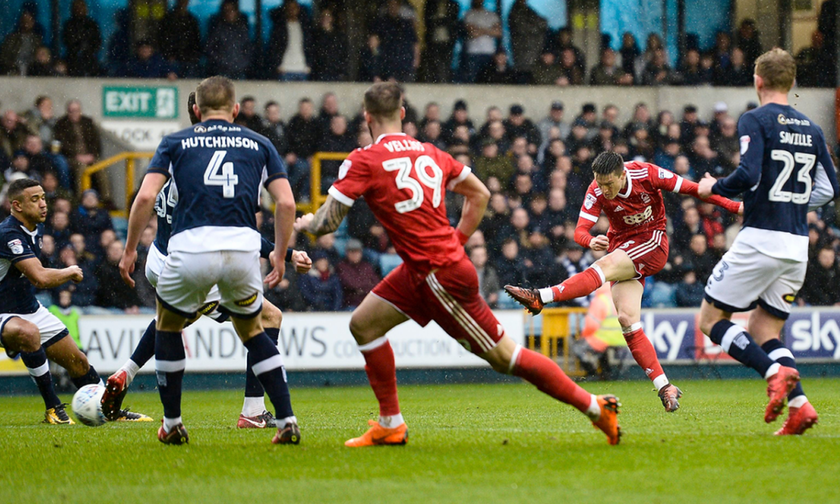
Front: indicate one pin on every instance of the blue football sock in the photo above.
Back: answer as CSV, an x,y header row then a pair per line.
x,y
146,347
39,369
777,351
86,379
738,343
268,368
170,362
253,387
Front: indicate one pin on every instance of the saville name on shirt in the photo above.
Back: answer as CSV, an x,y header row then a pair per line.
x,y
404,145
220,142
795,138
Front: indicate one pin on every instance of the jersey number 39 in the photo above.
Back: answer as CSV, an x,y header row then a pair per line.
x,y
422,165
224,177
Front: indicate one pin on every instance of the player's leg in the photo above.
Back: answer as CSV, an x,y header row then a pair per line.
x,y
369,323
627,298
254,413
116,386
613,267
20,336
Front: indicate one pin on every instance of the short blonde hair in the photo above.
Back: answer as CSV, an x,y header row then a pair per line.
x,y
384,100
778,69
215,93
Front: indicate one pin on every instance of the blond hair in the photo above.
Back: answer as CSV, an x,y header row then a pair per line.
x,y
384,100
215,93
778,69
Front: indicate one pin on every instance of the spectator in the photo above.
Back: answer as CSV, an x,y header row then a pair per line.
x,y
497,71
43,162
13,133
321,288
304,130
91,221
53,191
148,64
692,73
722,53
81,145
493,164
827,25
527,37
698,259
82,39
459,117
17,52
400,47
748,42
274,129
689,292
430,113
641,118
329,109
517,125
432,133
563,41
554,119
484,31
43,65
488,280
337,139
705,160
113,292
510,267
118,49
289,45
653,44
356,275
738,73
329,49
40,119
608,73
822,281
547,70
248,116
180,39
441,33
229,44
629,53
571,263
372,60
570,72
657,72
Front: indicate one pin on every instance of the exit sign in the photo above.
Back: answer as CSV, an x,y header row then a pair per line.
x,y
151,102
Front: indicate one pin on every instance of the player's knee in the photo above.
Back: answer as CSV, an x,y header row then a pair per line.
x,y
271,316
707,320
78,365
27,338
627,319
361,333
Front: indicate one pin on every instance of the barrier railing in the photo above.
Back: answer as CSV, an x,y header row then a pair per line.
x,y
316,199
129,158
557,330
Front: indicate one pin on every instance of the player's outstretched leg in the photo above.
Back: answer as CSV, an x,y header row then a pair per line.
x,y
117,384
581,284
546,375
801,414
738,343
39,369
254,414
170,363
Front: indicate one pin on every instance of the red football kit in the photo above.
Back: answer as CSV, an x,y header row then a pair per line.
x,y
637,215
404,182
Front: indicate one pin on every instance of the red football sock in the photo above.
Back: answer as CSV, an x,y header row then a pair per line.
x,y
547,376
578,285
644,353
382,375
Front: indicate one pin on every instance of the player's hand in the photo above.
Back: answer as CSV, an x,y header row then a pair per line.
x,y
599,243
302,223
76,273
127,266
704,187
301,261
276,275
741,208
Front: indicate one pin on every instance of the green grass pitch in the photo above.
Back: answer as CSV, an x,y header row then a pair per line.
x,y
468,443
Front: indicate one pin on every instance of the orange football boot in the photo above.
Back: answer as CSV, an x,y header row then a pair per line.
x,y
378,435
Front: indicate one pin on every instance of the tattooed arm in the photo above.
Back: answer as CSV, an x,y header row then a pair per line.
x,y
326,219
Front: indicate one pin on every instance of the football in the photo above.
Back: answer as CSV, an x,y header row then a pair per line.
x,y
87,405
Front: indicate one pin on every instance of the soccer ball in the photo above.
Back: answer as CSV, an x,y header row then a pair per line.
x,y
87,405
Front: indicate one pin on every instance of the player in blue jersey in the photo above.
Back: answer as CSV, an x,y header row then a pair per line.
x,y
254,413
785,172
215,169
26,327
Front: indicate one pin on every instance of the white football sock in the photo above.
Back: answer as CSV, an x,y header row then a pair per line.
x,y
253,406
797,402
546,295
131,368
170,423
660,381
391,422
594,410
772,370
284,422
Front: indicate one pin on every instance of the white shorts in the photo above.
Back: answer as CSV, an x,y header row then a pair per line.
x,y
187,279
154,265
51,329
745,278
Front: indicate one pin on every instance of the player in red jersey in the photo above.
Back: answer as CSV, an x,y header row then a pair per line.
x,y
637,246
404,181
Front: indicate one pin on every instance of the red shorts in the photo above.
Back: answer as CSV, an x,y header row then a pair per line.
x,y
450,297
648,251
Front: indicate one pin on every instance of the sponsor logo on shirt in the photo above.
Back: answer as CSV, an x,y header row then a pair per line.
x,y
247,301
589,201
344,168
619,208
792,120
645,198
745,144
665,174
16,246
639,217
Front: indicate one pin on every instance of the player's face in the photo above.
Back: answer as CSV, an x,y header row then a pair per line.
x,y
611,184
32,204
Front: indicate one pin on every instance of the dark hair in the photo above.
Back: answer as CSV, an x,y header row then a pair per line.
x,y
383,100
247,99
17,187
270,104
41,99
608,162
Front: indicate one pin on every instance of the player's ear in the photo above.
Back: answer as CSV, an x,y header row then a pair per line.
x,y
402,113
367,117
196,114
235,110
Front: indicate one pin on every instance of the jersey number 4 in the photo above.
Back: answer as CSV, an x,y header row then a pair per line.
x,y
421,166
803,175
224,177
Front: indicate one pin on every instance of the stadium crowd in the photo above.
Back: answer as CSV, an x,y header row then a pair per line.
x,y
457,47
537,169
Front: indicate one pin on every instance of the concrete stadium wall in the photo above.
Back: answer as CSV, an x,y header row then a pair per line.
x,y
19,93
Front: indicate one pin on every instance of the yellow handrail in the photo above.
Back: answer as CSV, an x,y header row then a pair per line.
x,y
316,199
129,158
556,326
